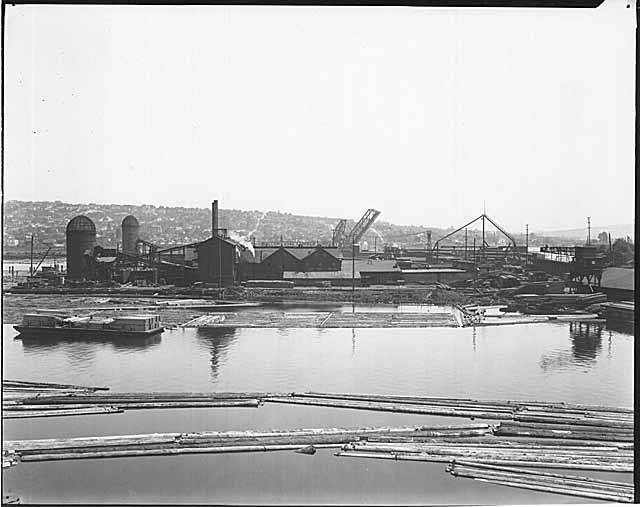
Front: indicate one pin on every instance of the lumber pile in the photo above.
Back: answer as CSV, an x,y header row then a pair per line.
x,y
279,319
208,442
586,487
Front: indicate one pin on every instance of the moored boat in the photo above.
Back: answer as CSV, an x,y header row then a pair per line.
x,y
125,326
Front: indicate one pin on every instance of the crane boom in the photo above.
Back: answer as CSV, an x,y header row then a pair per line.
x,y
362,226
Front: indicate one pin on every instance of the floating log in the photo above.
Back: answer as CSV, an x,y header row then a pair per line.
x,y
565,434
387,407
537,473
449,459
25,383
310,450
58,413
518,403
569,427
553,483
168,451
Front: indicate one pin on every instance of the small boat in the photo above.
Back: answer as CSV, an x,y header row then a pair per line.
x,y
125,326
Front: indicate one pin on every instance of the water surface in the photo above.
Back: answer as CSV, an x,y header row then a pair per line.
x,y
575,363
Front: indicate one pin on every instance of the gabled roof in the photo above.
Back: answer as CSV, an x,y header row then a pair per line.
x,y
220,238
285,251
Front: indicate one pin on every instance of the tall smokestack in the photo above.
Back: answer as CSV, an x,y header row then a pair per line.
x,y
214,218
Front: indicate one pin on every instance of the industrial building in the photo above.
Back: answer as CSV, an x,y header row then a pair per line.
x,y
271,262
213,261
81,240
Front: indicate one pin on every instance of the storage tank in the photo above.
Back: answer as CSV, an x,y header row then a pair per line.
x,y
81,239
130,234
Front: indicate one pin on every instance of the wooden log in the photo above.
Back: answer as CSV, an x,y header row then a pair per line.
x,y
480,406
471,442
543,481
532,451
529,454
22,407
570,435
568,420
408,430
204,435
569,427
444,459
53,443
25,383
536,475
518,403
565,491
169,451
58,413
387,407
192,404
152,397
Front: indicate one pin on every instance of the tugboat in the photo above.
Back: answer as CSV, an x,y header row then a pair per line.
x,y
130,326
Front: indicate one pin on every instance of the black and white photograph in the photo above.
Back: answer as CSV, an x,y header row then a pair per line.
x,y
318,254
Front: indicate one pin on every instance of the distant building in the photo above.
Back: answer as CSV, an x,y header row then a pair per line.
x,y
271,262
218,260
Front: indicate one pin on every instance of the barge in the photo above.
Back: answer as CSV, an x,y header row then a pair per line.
x,y
125,326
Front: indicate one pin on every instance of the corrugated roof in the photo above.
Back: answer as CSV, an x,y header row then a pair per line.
x,y
298,252
618,278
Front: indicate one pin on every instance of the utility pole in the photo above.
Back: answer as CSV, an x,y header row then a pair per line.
x,y
483,241
353,272
474,258
465,243
527,250
31,265
610,250
375,244
588,230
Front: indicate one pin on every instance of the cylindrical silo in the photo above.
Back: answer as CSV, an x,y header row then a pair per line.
x,y
130,234
81,240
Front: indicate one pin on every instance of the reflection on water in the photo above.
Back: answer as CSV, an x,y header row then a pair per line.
x,y
503,362
586,341
84,348
586,345
621,326
218,340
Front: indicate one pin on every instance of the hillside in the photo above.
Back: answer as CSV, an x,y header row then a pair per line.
x,y
175,225
168,226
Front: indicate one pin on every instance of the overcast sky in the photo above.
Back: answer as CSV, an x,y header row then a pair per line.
x,y
421,113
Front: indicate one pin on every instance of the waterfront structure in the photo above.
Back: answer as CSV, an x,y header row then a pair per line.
x,y
130,234
81,240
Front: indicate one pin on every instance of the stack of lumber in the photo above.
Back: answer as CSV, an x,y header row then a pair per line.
x,y
208,442
93,403
586,487
604,457
269,319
